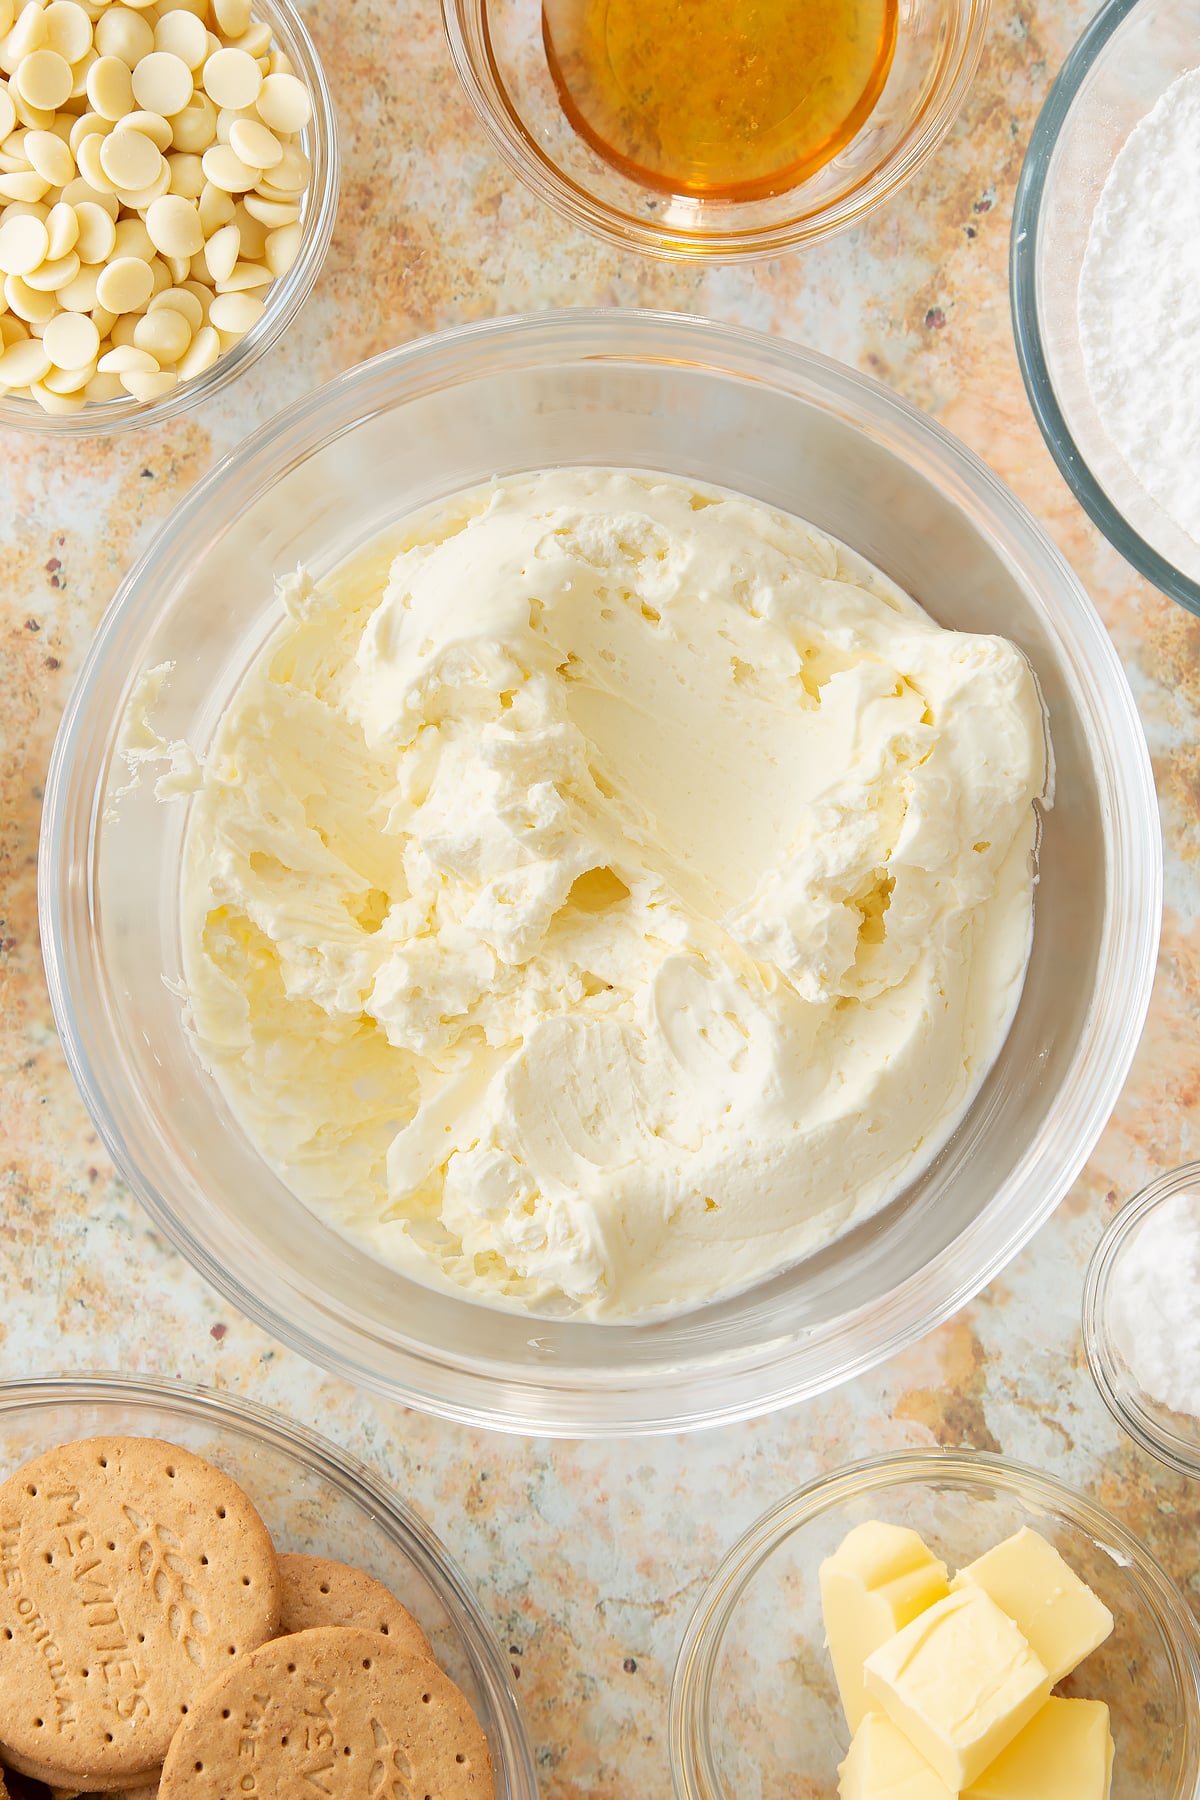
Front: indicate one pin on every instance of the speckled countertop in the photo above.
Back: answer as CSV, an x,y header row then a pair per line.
x,y
589,1558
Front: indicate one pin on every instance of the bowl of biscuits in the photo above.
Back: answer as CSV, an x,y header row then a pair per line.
x,y
198,1597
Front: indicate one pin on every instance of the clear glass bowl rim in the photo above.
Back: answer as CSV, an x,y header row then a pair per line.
x,y
575,1403
470,48
693,1766
1031,355
285,297
31,1393
1108,1372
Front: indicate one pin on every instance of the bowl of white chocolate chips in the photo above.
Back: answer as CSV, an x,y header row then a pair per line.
x,y
932,1624
168,187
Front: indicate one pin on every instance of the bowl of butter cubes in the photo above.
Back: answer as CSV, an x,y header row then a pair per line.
x,y
932,1624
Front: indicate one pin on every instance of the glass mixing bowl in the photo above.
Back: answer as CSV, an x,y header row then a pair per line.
x,y
498,52
1129,55
754,1709
1173,1437
284,297
312,1497
719,405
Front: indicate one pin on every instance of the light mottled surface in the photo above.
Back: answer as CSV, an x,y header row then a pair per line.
x,y
589,1558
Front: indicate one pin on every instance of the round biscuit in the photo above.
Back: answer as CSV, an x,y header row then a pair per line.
x,y
132,1574
315,1591
336,1711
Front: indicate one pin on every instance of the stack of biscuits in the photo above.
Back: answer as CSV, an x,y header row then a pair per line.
x,y
153,1642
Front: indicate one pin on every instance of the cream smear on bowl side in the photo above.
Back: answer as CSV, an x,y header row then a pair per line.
x,y
618,899
1139,303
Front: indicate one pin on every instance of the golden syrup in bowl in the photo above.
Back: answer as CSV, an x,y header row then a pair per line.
x,y
719,99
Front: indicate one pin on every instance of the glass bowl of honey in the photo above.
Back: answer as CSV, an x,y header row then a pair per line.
x,y
716,129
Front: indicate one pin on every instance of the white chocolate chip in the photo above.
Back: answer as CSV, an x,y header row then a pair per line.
x,y
69,381
62,228
282,249
183,35
235,312
28,186
271,213
187,174
165,333
174,226
97,233
216,208
110,87
71,341
50,157
68,30
125,285
129,159
245,275
179,300
51,402
53,275
26,302
43,79
231,78
283,103
24,244
79,295
163,83
123,33
30,33
201,354
221,252
226,170
132,239
124,359
24,362
257,147
232,16
151,386
88,124
195,128
151,125
103,387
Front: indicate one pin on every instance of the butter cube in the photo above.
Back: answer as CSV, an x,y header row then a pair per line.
x,y
1054,1610
882,1765
1064,1753
960,1682
877,1580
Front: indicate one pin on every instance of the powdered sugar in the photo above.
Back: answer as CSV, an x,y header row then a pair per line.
x,y
1139,303
1155,1303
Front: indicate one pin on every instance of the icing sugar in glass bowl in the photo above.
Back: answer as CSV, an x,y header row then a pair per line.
x,y
1141,1318
1130,55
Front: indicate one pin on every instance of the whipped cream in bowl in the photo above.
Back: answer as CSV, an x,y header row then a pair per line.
x,y
618,901
594,976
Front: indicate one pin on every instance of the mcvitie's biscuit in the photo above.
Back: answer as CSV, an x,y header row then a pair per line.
x,y
316,1592
334,1711
131,1575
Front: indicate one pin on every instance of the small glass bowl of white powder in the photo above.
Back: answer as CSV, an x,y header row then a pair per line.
x,y
1141,1318
1106,283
